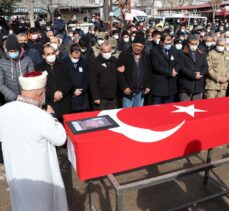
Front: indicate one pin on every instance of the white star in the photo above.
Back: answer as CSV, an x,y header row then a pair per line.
x,y
188,109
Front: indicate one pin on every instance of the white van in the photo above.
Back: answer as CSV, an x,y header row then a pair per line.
x,y
139,15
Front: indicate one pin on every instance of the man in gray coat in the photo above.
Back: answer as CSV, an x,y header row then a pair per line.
x,y
14,64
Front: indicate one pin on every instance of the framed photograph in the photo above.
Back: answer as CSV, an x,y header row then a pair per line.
x,y
92,124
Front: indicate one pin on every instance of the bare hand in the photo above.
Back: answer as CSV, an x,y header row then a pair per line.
x,y
223,80
121,69
78,92
50,109
97,102
147,90
198,76
58,96
127,91
174,73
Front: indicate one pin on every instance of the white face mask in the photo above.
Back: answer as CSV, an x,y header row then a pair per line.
x,y
126,39
107,56
55,46
83,50
220,48
100,42
0,28
158,41
51,58
227,49
193,47
74,60
116,36
208,44
11,32
34,36
132,39
179,46
227,40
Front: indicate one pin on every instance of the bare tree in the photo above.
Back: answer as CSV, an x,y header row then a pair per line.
x,y
215,6
6,6
31,12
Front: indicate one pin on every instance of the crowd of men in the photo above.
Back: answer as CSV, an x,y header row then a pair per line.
x,y
133,65
125,66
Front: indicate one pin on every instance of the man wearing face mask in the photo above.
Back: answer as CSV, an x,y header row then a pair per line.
x,y
194,68
12,66
78,73
165,67
60,54
154,44
79,30
103,79
87,53
115,51
206,45
32,53
100,41
34,39
91,35
125,43
218,73
59,84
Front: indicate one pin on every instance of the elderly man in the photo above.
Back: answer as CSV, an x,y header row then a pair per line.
x,y
134,73
29,136
103,79
12,66
218,72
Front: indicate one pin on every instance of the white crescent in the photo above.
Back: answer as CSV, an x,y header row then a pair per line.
x,y
136,133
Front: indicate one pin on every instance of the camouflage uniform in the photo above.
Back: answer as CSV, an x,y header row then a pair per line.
x,y
218,68
114,45
96,47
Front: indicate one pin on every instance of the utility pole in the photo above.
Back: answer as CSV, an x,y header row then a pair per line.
x,y
31,12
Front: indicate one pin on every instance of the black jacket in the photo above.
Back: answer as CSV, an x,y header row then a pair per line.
x,y
125,79
79,77
163,84
103,78
187,76
58,80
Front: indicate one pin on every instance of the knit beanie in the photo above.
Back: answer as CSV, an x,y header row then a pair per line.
x,y
139,38
12,43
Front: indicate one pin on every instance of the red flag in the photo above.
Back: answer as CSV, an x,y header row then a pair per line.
x,y
149,135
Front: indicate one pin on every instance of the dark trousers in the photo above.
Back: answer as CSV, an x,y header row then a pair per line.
x,y
105,104
156,100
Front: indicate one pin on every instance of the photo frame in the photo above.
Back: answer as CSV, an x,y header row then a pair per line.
x,y
92,124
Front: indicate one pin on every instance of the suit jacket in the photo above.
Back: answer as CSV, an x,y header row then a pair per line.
x,y
189,67
79,77
58,80
162,65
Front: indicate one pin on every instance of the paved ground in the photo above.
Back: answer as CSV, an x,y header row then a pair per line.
x,y
157,198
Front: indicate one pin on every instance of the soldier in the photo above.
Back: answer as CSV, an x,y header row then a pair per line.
x,y
218,73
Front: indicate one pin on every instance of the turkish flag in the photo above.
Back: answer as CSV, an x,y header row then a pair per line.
x,y
148,135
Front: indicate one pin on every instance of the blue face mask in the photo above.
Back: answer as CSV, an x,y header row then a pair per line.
x,y
14,55
167,46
